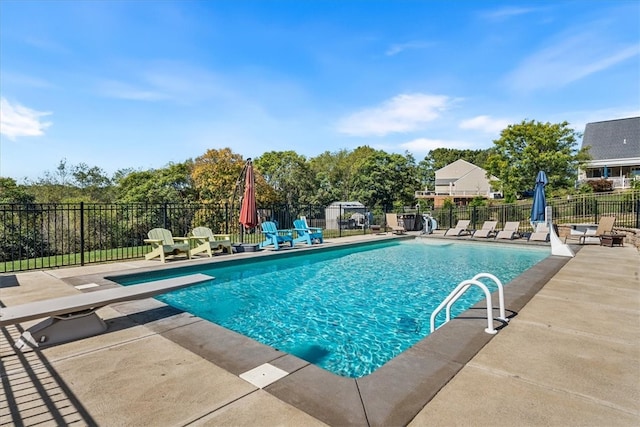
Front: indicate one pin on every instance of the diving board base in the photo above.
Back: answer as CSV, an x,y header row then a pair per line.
x,y
59,329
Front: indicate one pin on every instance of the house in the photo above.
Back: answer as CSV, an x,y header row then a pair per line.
x,y
461,182
614,146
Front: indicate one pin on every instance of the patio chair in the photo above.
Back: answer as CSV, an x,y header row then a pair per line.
x,y
510,230
541,233
305,233
488,230
205,241
605,227
461,228
392,223
275,237
163,244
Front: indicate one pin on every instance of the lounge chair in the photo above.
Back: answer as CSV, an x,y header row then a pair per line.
x,y
510,230
275,237
461,228
206,241
392,223
163,244
488,230
305,233
73,317
541,233
605,227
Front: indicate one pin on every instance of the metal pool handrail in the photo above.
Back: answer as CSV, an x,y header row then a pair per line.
x,y
461,289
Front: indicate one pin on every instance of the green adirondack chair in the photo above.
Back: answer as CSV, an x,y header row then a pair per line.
x,y
205,241
163,244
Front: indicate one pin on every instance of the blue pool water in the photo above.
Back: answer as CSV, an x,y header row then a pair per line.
x,y
347,310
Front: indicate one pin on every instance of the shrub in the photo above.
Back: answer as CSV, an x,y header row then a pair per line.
x,y
601,185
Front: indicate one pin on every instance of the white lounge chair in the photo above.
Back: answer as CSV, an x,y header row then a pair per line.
x,y
73,317
461,228
510,230
488,230
540,234
392,223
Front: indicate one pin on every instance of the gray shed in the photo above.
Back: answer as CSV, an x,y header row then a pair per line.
x,y
341,210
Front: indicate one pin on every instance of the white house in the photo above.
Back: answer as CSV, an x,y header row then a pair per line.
x,y
459,181
614,146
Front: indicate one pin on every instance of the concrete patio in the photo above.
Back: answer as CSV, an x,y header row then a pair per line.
x,y
570,356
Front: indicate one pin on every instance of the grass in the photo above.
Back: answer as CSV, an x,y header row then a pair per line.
x,y
90,257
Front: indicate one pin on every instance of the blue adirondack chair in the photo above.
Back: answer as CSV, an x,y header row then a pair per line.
x,y
305,233
275,237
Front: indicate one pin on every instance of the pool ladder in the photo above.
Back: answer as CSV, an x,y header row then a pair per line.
x,y
461,289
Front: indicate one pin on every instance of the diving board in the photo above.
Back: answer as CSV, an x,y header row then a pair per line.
x,y
73,317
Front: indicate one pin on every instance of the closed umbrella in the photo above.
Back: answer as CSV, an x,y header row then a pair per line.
x,y
248,212
539,202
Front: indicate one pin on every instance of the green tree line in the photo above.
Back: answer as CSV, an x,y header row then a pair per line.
x,y
373,177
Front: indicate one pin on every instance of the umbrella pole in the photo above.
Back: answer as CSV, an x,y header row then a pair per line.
x,y
240,186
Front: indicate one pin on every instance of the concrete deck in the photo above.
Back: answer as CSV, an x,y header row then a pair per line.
x,y
569,356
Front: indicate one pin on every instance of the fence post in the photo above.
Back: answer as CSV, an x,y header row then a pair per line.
x,y
595,211
164,215
81,233
226,217
474,216
637,225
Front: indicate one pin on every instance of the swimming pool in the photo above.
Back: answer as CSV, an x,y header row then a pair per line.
x,y
348,310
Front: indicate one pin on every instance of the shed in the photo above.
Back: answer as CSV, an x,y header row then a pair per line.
x,y
342,210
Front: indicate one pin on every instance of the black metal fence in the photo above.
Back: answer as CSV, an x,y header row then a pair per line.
x,y
35,236
578,210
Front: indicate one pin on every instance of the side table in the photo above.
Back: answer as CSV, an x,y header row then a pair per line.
x,y
612,240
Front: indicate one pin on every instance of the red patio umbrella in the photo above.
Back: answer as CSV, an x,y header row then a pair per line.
x,y
248,212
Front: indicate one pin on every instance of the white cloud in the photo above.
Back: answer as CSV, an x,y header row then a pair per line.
x,y
395,49
485,124
507,12
424,145
402,113
120,90
572,59
16,120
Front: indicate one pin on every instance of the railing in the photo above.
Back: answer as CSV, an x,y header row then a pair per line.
x,y
36,236
576,210
617,183
463,287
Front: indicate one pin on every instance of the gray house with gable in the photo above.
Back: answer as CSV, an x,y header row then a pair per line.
x,y
614,146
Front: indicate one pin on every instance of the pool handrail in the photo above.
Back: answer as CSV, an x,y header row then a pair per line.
x,y
461,289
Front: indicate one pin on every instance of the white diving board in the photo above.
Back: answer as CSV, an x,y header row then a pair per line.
x,y
73,317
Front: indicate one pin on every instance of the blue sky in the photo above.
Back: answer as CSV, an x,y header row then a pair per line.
x,y
139,84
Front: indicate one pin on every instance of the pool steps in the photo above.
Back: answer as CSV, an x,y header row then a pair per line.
x,y
461,289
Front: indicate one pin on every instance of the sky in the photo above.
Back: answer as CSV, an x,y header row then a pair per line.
x,y
141,84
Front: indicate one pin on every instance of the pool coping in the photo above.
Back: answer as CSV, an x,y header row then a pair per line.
x,y
392,395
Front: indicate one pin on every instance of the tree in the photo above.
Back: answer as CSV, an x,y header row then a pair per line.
x,y
333,177
215,175
528,147
93,182
11,192
288,174
171,184
382,179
